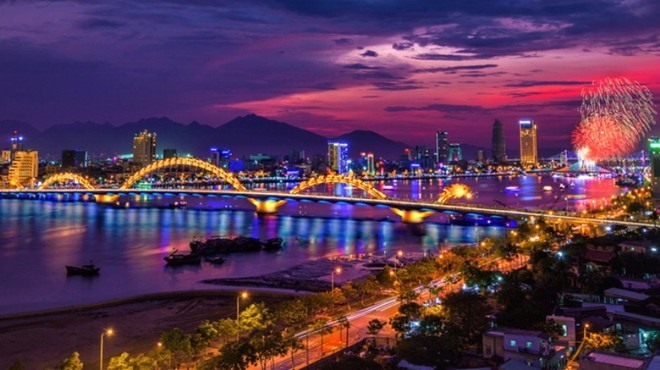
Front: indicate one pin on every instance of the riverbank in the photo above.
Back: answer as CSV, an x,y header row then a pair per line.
x,y
42,340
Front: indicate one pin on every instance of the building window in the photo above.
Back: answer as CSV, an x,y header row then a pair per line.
x,y
528,344
512,343
564,330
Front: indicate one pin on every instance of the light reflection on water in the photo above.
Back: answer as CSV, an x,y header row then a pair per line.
x,y
38,238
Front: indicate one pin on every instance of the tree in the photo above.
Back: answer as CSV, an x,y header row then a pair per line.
x,y
120,362
400,324
321,327
430,351
292,344
233,356
178,344
291,312
344,323
266,346
408,296
375,326
603,341
226,329
72,362
255,317
467,310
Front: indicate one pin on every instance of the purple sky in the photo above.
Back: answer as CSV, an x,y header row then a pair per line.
x,y
403,68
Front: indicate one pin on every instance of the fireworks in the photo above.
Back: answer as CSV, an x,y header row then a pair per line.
x,y
616,114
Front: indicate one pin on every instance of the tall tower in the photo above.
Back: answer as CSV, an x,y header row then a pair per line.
x,y
499,146
441,147
528,148
144,148
338,156
654,153
16,144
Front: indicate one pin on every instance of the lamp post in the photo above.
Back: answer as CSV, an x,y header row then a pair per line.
x,y
332,277
238,312
107,332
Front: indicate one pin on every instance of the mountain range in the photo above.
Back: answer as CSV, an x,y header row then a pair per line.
x,y
244,135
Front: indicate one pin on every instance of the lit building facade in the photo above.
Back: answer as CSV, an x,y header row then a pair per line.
x,y
654,151
16,145
441,147
338,156
24,168
144,148
528,147
499,146
455,152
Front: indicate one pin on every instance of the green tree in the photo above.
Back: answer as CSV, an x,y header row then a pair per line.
x,y
178,344
233,356
120,362
400,324
321,327
408,296
291,312
226,329
467,311
143,362
255,317
72,362
266,346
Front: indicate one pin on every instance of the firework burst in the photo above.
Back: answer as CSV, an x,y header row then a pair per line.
x,y
615,115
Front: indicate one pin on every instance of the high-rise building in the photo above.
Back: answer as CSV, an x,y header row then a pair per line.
x,y
499,146
654,154
455,152
441,147
338,156
16,144
528,148
24,168
74,158
144,148
480,156
169,153
423,157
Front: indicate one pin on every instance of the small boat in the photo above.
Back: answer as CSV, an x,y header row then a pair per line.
x,y
175,259
273,244
215,260
547,188
84,270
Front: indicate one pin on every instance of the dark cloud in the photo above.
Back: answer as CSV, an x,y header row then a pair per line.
x,y
99,23
445,57
546,83
369,53
379,75
359,66
446,108
402,46
455,69
398,86
343,41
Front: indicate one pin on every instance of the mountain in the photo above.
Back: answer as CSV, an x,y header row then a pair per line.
x,y
371,142
254,134
7,128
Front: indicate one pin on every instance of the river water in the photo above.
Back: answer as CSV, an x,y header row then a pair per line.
x,y
38,238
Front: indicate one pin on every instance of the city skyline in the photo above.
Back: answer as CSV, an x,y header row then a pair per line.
x,y
403,69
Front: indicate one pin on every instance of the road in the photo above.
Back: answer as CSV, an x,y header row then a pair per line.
x,y
359,320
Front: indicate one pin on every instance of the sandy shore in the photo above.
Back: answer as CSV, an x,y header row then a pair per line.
x,y
42,340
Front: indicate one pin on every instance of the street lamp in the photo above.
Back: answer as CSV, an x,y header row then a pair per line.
x,y
332,277
238,311
107,332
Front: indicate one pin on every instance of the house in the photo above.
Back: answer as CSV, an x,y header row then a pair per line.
x,y
530,346
596,360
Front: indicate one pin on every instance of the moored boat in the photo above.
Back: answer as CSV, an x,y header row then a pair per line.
x,y
273,244
178,259
84,270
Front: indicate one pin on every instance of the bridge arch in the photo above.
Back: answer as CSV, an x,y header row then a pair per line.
x,y
339,179
67,176
190,162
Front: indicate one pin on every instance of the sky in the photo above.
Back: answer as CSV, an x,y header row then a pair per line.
x,y
402,68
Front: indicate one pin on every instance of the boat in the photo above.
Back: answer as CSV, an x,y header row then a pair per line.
x,y
215,260
247,244
178,259
273,244
84,270
547,188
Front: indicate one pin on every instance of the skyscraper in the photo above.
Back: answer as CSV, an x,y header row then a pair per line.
x,y
24,167
338,156
16,144
441,147
455,152
144,148
499,146
654,151
528,148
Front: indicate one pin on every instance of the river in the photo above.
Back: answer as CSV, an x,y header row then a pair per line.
x,y
38,238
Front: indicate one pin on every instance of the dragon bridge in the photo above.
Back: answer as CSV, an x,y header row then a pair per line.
x,y
189,162
67,176
339,179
